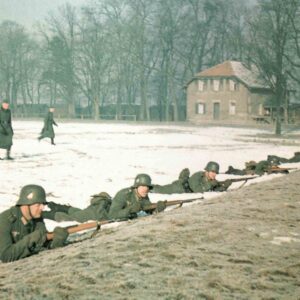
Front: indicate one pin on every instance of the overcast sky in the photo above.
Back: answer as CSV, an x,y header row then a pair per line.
x,y
27,12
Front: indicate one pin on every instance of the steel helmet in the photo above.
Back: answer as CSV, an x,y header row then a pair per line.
x,y
142,180
212,167
32,194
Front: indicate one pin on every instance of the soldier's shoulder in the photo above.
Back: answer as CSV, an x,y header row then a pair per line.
x,y
9,216
198,174
125,191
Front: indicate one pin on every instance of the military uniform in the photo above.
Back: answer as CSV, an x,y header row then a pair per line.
x,y
251,168
97,210
20,237
6,131
18,240
48,130
126,204
295,158
176,187
197,183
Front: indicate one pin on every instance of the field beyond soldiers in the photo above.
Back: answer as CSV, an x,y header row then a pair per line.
x,y
241,245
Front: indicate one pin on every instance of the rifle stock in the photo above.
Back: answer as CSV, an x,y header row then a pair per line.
x,y
170,203
80,227
275,169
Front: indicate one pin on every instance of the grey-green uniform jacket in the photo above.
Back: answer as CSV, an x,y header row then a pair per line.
x,y
6,131
197,183
15,240
126,204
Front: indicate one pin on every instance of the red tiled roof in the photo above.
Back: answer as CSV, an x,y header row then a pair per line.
x,y
224,69
237,69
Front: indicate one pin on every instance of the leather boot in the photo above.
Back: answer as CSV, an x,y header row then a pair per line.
x,y
8,157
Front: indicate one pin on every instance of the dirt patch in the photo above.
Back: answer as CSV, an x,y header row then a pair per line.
x,y
244,245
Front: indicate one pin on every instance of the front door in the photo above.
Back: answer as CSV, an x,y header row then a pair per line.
x,y
216,111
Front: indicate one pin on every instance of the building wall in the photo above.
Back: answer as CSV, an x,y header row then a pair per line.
x,y
231,93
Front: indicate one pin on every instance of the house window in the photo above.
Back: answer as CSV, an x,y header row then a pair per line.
x,y
260,109
216,85
232,108
200,85
200,108
233,85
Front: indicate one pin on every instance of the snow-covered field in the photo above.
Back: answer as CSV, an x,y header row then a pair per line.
x,y
92,157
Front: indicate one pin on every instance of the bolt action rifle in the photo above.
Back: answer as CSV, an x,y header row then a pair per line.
x,y
237,179
153,206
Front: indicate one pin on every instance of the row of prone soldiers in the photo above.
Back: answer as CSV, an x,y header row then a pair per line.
x,y
23,231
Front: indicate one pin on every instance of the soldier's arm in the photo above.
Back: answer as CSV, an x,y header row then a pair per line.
x,y
119,208
221,187
10,251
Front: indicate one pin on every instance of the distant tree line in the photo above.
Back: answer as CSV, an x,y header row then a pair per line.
x,y
144,52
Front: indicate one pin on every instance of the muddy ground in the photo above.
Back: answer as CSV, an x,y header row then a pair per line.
x,y
242,245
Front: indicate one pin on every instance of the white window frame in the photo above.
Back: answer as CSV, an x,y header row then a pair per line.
x,y
260,109
201,111
216,85
232,108
200,85
232,85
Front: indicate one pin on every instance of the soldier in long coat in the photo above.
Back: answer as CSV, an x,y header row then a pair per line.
x,y
129,201
48,130
199,182
22,229
6,130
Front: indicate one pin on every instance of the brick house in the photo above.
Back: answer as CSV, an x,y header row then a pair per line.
x,y
228,92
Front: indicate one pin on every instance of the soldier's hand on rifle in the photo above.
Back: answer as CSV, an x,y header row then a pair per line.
x,y
36,239
60,237
227,183
161,206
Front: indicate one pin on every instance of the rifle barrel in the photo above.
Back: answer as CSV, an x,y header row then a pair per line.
x,y
170,203
239,179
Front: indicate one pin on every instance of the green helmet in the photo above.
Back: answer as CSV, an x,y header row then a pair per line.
x,y
31,194
212,167
142,180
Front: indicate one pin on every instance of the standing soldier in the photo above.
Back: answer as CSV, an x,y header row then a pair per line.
x,y
6,131
22,229
200,182
48,130
129,201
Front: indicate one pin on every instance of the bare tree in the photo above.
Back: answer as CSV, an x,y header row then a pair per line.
x,y
60,35
15,52
270,32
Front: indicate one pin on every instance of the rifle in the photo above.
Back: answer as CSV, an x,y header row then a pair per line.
x,y
276,169
238,179
80,227
170,203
